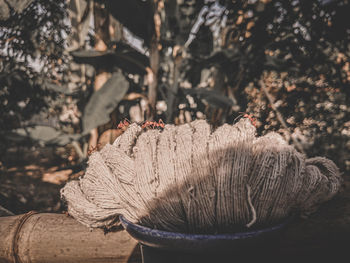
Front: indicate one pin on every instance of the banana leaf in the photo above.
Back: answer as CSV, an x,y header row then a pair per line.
x,y
104,101
212,97
128,60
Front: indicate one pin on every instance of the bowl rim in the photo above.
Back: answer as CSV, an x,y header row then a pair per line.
x,y
162,234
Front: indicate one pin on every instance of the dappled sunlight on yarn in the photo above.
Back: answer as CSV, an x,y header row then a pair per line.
x,y
193,179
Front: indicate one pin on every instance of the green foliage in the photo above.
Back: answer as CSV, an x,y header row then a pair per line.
x,y
213,55
21,94
32,43
38,32
301,37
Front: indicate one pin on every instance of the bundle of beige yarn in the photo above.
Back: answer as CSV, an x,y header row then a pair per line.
x,y
192,179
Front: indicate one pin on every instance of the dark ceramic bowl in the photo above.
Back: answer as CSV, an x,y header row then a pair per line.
x,y
163,246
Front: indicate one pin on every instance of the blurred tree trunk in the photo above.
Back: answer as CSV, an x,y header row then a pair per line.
x,y
80,13
107,30
158,5
102,37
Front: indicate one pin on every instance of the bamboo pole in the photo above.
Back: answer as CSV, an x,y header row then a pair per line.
x,y
58,238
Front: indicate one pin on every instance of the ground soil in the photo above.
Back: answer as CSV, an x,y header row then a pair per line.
x,y
31,178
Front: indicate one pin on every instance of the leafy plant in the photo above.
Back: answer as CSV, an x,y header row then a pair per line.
x,y
104,101
208,59
32,51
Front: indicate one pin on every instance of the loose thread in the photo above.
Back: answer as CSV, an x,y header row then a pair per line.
x,y
251,207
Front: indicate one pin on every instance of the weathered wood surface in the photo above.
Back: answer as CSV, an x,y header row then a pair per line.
x,y
58,238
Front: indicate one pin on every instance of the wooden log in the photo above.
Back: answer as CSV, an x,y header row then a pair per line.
x,y
59,238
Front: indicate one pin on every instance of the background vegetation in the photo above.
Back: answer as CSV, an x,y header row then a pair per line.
x,y
70,71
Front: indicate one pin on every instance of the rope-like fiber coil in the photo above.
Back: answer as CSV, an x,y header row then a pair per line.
x,y
191,179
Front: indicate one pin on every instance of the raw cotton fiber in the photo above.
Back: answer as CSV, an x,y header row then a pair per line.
x,y
192,179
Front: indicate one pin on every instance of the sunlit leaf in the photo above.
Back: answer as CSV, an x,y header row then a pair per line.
x,y
104,101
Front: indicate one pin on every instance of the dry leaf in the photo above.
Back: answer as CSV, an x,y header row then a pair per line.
x,y
250,25
290,88
58,177
239,20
